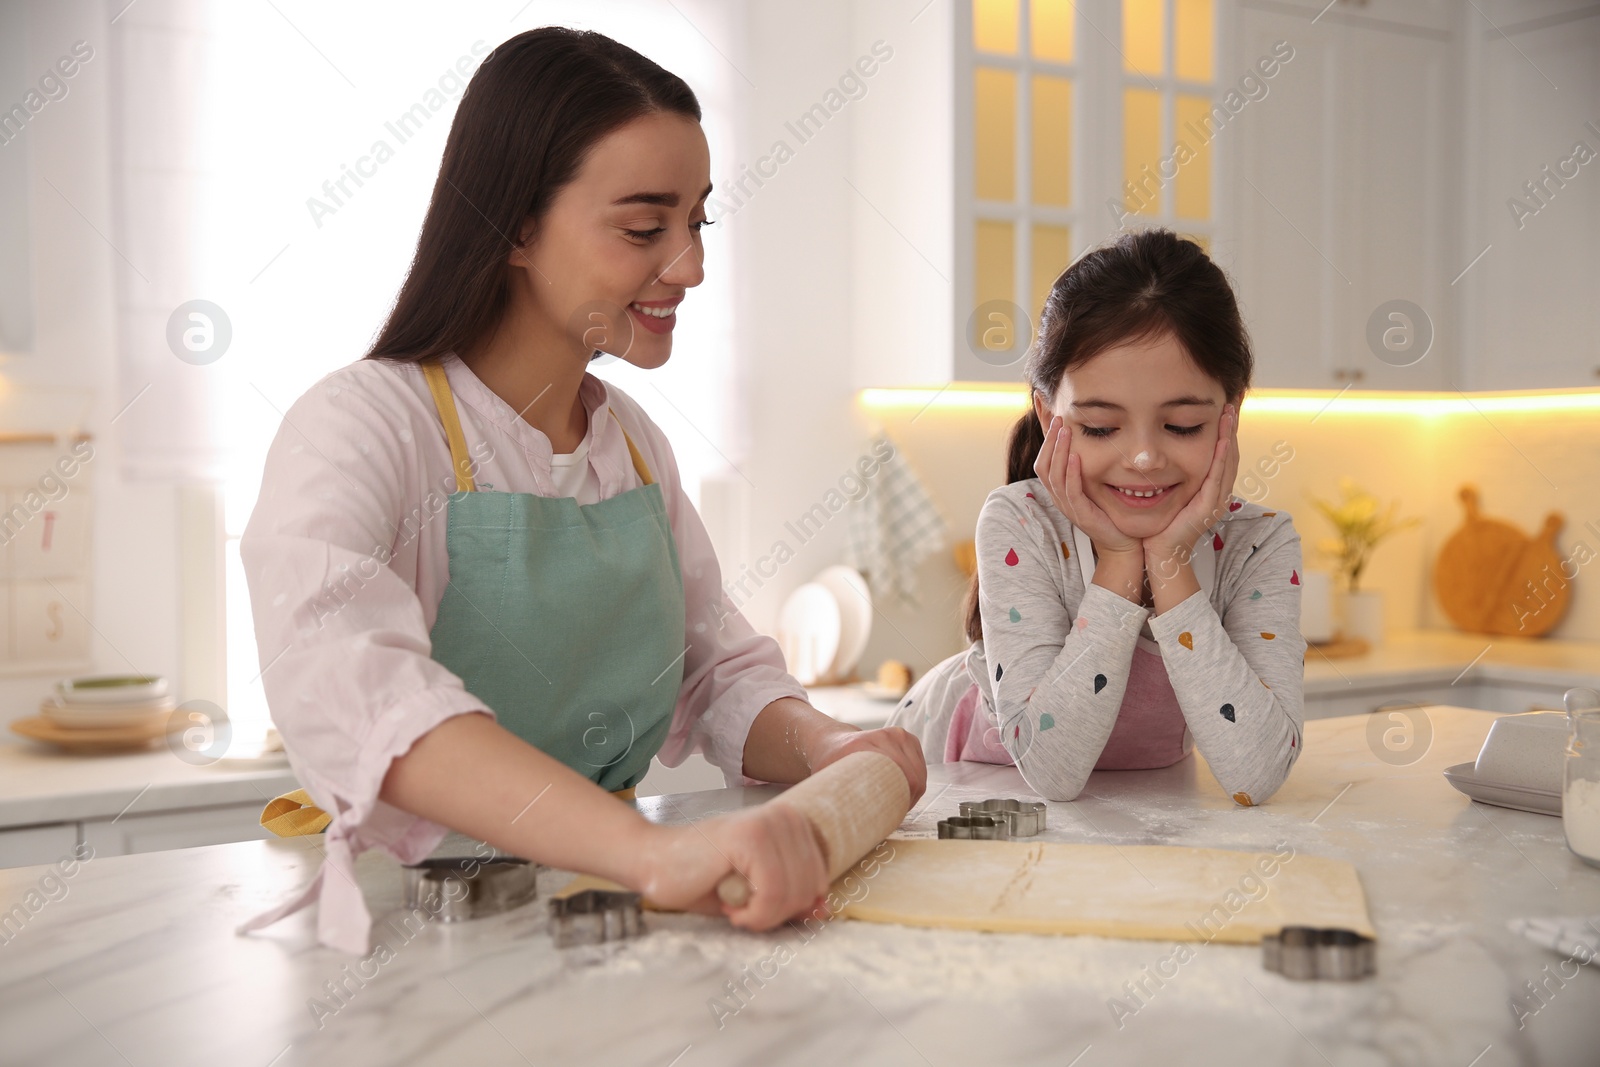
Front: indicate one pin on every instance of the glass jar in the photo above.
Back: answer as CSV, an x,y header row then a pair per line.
x,y
1580,793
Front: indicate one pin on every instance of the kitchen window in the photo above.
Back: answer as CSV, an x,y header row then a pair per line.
x,y
1073,120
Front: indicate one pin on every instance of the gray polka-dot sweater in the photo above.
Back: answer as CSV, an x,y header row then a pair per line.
x,y
1058,655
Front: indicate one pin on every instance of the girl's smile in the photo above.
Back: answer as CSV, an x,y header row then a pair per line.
x,y
1143,418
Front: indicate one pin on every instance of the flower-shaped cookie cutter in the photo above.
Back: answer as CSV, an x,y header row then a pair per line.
x,y
594,916
1024,817
975,828
1307,953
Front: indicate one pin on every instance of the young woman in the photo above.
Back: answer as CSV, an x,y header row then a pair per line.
x,y
1127,607
482,598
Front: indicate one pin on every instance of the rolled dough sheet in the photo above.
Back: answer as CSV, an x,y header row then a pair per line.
x,y
1157,892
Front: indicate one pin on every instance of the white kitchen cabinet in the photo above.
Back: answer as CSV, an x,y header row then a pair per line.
x,y
45,531
1364,700
1378,167
1530,315
131,833
50,626
56,543
25,846
1489,694
1512,697
159,831
1343,193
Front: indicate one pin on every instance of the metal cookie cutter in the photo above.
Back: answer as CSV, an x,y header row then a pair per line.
x,y
595,915
975,828
1305,952
453,889
1025,817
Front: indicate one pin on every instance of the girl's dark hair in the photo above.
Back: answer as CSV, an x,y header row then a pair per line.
x,y
530,115
1142,285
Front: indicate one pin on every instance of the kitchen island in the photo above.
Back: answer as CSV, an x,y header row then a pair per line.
x,y
134,960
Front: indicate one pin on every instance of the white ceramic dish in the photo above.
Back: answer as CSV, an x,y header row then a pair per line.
x,y
98,716
1526,750
808,632
111,689
882,692
855,616
1466,779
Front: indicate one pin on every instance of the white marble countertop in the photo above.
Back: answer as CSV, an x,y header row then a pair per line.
x,y
135,961
39,784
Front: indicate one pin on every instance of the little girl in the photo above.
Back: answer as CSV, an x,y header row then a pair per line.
x,y
1127,607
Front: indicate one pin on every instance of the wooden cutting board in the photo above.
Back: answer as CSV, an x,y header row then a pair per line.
x,y
130,738
1491,578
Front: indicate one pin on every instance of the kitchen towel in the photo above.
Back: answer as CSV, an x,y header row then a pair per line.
x,y
893,528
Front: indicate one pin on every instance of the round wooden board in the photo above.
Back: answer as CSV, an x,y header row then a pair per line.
x,y
1491,578
93,739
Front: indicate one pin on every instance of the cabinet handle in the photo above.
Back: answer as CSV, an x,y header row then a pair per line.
x,y
1356,375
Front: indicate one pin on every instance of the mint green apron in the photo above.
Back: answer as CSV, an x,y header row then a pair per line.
x,y
565,619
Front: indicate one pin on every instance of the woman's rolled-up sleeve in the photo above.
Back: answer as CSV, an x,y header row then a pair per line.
x,y
343,639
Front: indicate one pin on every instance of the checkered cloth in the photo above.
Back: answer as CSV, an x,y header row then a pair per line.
x,y
893,529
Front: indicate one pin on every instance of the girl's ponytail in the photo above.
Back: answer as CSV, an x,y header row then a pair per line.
x,y
1022,448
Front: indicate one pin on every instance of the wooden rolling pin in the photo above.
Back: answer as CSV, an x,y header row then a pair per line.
x,y
852,804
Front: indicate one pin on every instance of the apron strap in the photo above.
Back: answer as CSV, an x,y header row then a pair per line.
x,y
639,465
439,386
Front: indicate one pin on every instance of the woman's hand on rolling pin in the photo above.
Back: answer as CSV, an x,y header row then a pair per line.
x,y
1062,474
899,745
774,847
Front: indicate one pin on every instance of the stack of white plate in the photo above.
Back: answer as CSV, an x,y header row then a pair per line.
x,y
824,625
104,702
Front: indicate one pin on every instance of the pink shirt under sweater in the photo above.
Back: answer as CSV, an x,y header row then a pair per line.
x,y
1150,730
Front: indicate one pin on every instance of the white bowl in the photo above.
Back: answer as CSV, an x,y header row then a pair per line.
x,y
100,715
112,689
1526,750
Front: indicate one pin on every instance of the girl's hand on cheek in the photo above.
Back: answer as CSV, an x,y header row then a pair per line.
x,y
1208,505
1061,471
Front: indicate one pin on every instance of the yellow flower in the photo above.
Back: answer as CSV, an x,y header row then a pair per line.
x,y
1359,526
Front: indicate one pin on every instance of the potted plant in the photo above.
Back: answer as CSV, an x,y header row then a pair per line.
x,y
1361,527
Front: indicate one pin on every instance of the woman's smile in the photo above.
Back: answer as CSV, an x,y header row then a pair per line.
x,y
657,316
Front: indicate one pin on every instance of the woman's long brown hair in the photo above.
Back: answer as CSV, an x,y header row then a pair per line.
x,y
1144,284
530,115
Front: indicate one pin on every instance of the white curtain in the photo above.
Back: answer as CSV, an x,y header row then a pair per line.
x,y
166,407
229,119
